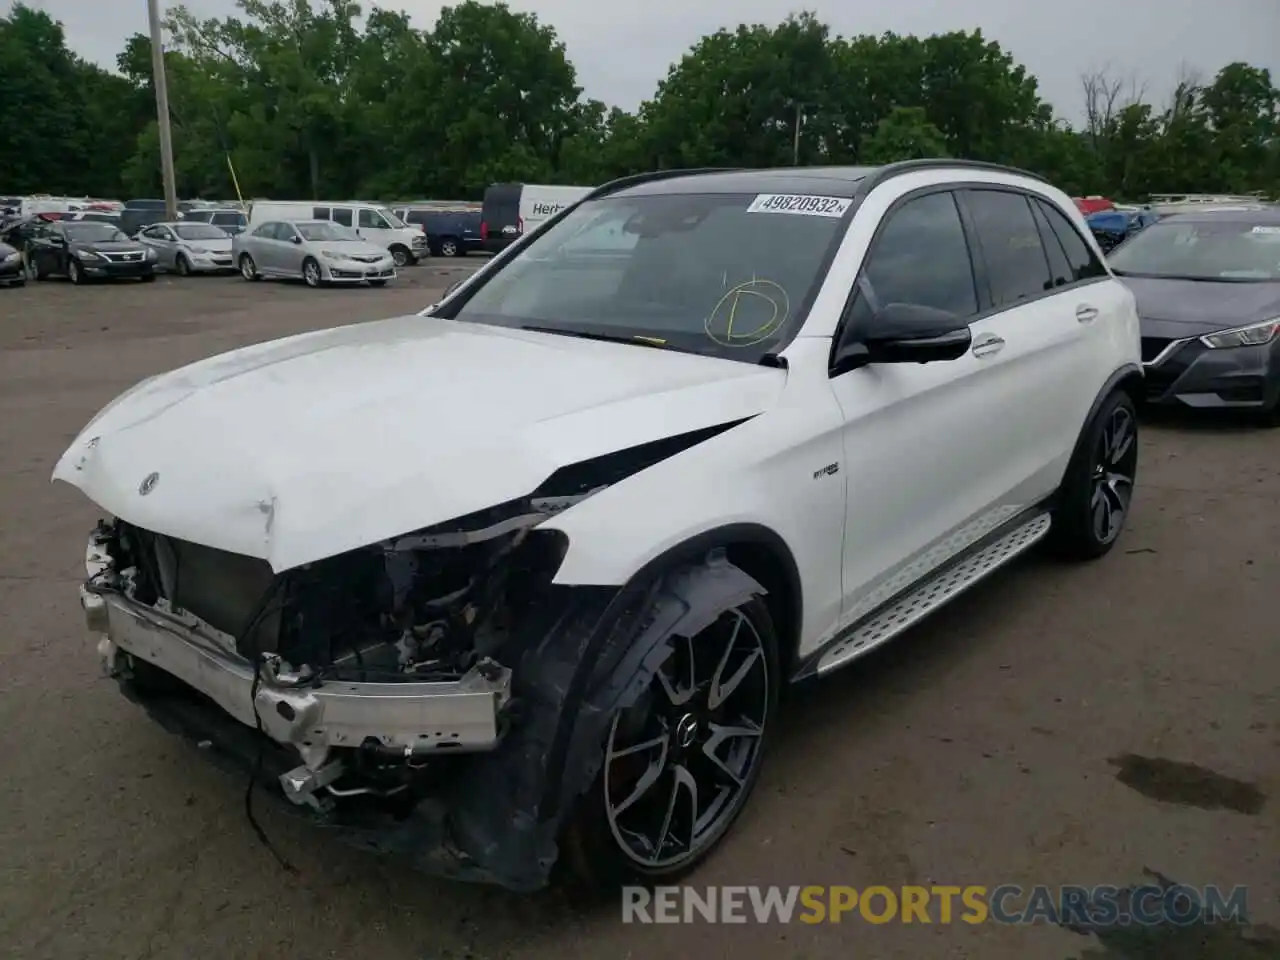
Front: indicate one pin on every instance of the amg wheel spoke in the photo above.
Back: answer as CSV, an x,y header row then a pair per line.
x,y
721,689
679,695
658,741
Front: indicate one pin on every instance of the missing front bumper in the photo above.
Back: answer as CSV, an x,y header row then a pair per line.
x,y
406,718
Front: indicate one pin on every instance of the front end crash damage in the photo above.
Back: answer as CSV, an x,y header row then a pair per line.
x,y
434,696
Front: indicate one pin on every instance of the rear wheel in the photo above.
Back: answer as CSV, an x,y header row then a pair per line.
x,y
681,762
1098,488
248,269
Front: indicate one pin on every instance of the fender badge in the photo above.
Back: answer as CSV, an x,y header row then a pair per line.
x,y
148,484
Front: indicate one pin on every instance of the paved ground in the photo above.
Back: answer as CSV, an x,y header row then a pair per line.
x,y
985,748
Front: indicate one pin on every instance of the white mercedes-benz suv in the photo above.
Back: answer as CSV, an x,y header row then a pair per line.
x,y
516,581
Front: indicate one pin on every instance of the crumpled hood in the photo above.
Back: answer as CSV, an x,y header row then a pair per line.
x,y
306,447
1192,308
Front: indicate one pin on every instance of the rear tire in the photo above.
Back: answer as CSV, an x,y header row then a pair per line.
x,y
624,817
1097,491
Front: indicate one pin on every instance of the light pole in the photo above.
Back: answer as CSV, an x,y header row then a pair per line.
x,y
795,145
161,83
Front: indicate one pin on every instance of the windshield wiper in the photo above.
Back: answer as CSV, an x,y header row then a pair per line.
x,y
632,338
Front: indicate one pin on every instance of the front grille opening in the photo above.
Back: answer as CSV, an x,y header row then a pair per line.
x,y
223,589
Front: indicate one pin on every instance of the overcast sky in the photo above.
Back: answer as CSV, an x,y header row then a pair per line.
x,y
622,48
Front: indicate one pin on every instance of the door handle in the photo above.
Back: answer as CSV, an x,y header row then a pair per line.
x,y
1086,313
987,345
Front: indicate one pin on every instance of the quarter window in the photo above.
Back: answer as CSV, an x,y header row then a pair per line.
x,y
1084,265
320,213
1017,266
920,257
1059,267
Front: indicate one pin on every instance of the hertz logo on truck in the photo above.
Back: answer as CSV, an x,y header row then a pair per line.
x,y
544,209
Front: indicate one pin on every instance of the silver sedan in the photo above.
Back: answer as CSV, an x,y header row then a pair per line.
x,y
187,248
318,251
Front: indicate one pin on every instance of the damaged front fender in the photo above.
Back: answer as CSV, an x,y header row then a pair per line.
x,y
506,814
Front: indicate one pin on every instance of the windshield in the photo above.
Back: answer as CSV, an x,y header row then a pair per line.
x,y
322,230
1226,250
87,232
392,219
200,231
722,274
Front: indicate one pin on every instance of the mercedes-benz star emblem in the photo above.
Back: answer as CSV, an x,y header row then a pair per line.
x,y
148,484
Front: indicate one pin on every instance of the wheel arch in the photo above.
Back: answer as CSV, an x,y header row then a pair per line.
x,y
762,554
1129,379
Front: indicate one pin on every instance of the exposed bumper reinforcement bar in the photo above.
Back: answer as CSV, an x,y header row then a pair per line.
x,y
462,716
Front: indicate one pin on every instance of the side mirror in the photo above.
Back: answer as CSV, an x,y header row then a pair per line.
x,y
295,239
905,333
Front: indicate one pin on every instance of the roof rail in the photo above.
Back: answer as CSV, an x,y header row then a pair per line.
x,y
881,174
653,176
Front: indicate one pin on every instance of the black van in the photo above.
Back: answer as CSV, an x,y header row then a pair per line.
x,y
450,233
500,216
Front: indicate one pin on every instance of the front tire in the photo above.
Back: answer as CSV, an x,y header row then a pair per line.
x,y
1097,490
249,269
75,272
377,283
680,764
449,247
183,266
401,256
311,275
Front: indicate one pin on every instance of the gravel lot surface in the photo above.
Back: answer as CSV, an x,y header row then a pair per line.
x,y
1059,725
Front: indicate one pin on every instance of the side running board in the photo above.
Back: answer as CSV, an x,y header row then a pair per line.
x,y
931,593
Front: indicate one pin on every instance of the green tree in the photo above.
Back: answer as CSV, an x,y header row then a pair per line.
x,y
905,134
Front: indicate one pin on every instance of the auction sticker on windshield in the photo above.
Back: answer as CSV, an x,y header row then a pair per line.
x,y
805,206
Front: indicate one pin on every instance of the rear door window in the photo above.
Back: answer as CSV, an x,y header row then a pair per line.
x,y
341,215
1017,265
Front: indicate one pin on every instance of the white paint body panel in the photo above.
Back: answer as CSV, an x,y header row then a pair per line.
x,y
306,447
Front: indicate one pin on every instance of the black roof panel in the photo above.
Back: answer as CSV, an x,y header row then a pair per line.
x,y
821,181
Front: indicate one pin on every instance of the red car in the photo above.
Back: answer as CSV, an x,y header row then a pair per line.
x,y
1093,204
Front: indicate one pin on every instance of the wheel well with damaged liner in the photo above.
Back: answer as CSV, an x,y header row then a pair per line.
x,y
601,652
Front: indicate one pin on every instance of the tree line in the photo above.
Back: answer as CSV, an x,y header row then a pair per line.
x,y
313,98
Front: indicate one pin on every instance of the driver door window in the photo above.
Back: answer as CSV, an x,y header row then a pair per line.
x,y
372,220
919,256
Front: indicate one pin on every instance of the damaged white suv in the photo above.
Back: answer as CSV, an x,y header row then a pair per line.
x,y
516,581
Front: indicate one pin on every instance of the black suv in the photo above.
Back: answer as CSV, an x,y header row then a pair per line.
x,y
86,251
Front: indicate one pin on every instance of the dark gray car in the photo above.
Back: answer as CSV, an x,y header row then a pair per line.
x,y
1208,290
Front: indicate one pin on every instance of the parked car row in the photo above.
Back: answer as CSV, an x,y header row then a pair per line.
x,y
319,252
